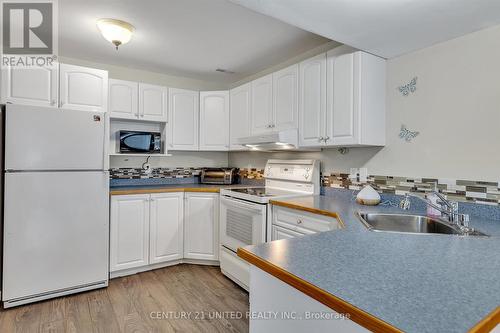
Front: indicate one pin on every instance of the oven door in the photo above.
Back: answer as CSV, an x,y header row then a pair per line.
x,y
242,223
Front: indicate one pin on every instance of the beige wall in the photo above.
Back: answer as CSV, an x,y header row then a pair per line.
x,y
308,54
131,74
184,159
456,109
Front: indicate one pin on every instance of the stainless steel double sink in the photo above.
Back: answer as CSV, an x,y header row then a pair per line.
x,y
413,224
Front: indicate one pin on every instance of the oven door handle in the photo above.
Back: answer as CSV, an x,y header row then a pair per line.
x,y
243,203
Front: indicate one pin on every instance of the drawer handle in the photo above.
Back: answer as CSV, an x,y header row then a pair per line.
x,y
299,221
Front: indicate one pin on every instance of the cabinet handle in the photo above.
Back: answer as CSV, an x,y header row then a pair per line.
x,y
299,221
327,138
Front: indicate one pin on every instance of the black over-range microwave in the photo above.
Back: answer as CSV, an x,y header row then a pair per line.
x,y
140,142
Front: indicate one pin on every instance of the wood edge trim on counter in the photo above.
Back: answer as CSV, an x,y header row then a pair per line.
x,y
308,209
488,323
165,190
357,315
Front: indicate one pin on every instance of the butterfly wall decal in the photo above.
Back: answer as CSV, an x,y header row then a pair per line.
x,y
406,134
408,88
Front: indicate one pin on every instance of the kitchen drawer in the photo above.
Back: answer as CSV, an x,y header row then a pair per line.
x,y
303,221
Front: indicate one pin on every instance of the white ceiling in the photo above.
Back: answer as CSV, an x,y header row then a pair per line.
x,y
387,28
188,38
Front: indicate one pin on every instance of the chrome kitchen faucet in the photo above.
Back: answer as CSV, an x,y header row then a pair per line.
x,y
447,207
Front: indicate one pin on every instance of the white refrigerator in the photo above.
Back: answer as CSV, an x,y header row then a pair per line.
x,y
56,197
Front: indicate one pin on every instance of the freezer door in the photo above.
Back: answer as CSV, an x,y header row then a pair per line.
x,y
38,138
56,231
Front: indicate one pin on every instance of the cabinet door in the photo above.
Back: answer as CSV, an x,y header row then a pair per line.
x,y
129,235
239,118
166,227
183,119
201,226
282,233
123,99
285,98
312,101
262,105
153,102
83,88
214,120
33,86
341,114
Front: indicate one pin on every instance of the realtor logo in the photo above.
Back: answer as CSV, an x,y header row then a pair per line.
x,y
29,32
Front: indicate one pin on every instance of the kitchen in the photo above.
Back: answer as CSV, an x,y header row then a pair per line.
x,y
254,166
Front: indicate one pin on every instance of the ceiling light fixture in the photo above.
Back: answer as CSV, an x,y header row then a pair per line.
x,y
115,31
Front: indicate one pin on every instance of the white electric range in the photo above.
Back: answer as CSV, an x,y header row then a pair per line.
x,y
245,213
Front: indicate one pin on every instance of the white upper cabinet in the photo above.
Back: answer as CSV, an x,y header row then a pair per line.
x,y
312,101
123,99
201,226
262,105
183,119
83,88
214,120
166,227
285,98
341,116
355,99
240,101
274,102
37,86
153,102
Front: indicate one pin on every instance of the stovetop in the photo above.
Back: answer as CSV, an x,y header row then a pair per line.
x,y
259,194
258,191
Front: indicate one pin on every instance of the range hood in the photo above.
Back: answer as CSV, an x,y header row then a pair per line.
x,y
272,141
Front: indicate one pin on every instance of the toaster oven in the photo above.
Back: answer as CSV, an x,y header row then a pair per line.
x,y
221,176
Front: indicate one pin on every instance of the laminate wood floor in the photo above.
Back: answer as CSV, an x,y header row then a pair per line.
x,y
182,298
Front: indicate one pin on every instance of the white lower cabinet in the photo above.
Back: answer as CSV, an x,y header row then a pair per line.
x,y
290,223
282,233
201,231
166,227
154,230
129,243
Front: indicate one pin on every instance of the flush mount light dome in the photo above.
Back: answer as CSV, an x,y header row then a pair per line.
x,y
115,31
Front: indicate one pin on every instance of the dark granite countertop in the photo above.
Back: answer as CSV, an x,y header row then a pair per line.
x,y
416,283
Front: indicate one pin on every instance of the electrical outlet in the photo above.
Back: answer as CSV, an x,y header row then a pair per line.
x,y
354,173
363,175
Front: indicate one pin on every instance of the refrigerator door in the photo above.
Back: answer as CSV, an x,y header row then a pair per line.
x,y
39,138
56,232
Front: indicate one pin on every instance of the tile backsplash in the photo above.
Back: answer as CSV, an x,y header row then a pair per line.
x,y
458,190
138,173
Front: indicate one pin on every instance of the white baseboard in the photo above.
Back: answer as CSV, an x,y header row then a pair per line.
x,y
146,268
